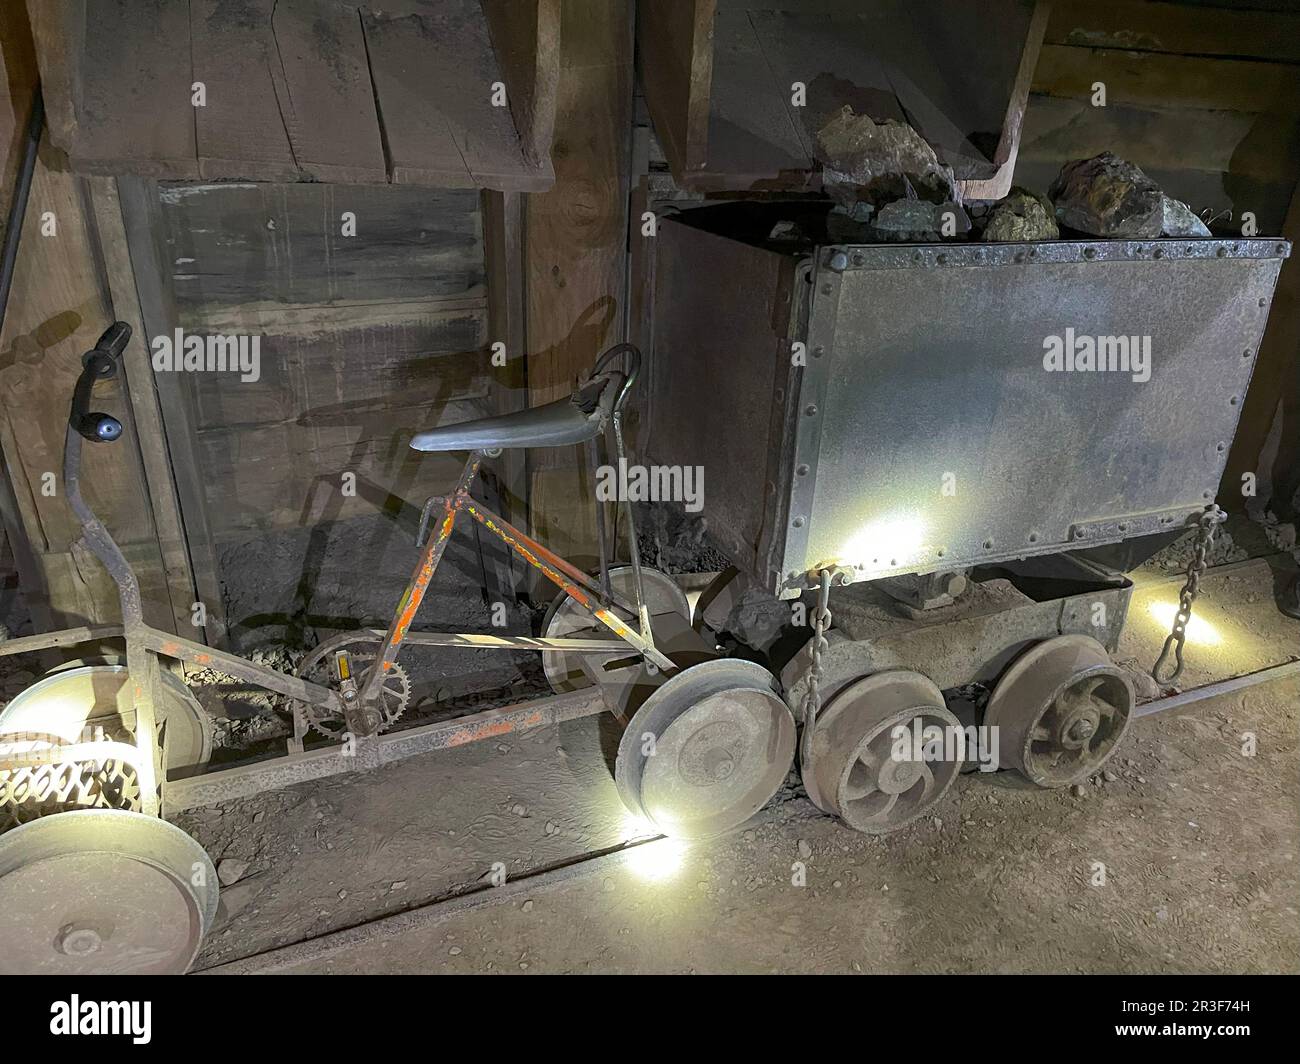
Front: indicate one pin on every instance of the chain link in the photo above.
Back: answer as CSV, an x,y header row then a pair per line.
x,y
1206,527
821,622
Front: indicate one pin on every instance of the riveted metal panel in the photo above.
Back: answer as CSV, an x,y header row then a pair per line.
x,y
944,441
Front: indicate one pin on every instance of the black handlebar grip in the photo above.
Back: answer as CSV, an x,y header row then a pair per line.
x,y
100,363
114,339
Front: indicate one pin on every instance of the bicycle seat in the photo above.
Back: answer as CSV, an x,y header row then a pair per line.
x,y
579,418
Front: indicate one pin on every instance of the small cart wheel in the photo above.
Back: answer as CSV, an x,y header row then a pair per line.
x,y
103,892
707,750
69,699
883,752
1061,710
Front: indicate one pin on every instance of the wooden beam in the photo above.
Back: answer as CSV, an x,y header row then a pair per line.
x,y
1178,28
141,215
676,45
526,38
576,244
148,431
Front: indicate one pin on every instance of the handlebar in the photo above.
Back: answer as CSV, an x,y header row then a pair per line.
x,y
99,363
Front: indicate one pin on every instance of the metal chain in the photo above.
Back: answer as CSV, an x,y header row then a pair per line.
x,y
821,622
1206,528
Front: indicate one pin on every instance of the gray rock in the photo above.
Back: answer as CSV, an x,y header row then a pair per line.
x,y
1178,220
1021,216
230,870
877,162
1109,197
919,221
805,850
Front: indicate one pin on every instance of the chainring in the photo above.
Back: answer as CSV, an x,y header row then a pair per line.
x,y
394,697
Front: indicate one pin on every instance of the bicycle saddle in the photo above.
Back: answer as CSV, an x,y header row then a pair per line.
x,y
580,417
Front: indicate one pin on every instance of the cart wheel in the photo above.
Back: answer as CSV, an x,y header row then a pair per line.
x,y
67,700
565,619
102,892
854,766
707,750
1060,710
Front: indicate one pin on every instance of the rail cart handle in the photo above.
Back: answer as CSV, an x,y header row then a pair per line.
x,y
99,363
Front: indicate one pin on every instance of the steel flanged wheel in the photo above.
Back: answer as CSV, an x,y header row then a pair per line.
x,y
874,758
565,619
1060,710
68,701
102,892
707,750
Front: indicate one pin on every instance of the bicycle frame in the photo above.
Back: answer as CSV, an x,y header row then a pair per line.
x,y
145,644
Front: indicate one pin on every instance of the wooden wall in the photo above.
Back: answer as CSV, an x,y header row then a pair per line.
x,y
364,340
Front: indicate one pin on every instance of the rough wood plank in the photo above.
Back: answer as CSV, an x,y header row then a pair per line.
x,y
1262,147
1168,82
57,310
751,137
283,476
240,132
329,103
1178,28
59,35
335,372
136,62
1013,121
18,78
240,244
433,73
675,43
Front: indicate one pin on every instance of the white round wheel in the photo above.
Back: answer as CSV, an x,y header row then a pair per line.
x,y
65,702
565,619
103,892
707,750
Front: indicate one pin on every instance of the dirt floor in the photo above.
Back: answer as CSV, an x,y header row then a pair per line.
x,y
1198,838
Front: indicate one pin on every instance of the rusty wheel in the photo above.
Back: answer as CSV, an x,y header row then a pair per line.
x,y
707,750
1061,710
872,759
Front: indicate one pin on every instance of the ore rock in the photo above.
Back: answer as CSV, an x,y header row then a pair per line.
x,y
912,221
1178,220
1021,216
878,162
1108,196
